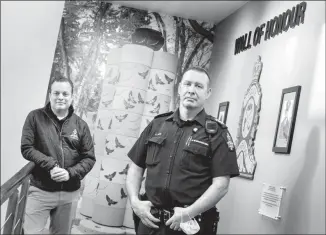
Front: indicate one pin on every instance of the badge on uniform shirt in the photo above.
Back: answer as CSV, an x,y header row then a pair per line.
x,y
229,142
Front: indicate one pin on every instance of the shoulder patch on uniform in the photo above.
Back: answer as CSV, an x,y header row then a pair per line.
x,y
221,124
228,139
164,114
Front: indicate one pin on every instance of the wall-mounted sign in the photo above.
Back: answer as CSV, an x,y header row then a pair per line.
x,y
279,24
271,200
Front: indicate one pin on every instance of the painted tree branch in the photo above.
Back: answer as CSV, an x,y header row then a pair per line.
x,y
92,55
158,22
193,53
64,55
177,35
159,18
199,29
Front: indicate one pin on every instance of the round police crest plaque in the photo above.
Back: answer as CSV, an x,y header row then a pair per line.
x,y
248,125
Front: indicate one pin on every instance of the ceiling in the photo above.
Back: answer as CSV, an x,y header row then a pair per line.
x,y
209,11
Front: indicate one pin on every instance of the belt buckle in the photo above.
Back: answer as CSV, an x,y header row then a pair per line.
x,y
166,215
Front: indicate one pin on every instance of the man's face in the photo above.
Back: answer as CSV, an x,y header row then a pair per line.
x,y
194,89
60,96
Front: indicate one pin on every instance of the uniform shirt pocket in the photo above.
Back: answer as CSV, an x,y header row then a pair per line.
x,y
195,157
155,143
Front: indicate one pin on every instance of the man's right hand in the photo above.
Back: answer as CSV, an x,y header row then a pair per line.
x,y
54,170
143,210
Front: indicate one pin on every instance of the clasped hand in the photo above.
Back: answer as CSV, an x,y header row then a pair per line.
x,y
177,218
143,210
59,174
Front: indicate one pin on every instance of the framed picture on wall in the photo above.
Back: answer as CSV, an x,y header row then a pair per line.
x,y
286,119
222,113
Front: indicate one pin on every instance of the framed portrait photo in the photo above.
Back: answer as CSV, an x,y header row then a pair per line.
x,y
286,119
222,113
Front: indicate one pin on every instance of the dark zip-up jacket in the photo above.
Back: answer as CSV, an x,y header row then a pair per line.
x,y
46,143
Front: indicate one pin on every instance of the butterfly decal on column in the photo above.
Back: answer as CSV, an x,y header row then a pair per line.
x,y
110,201
127,105
110,176
118,144
107,103
123,194
108,151
115,79
131,98
151,86
94,118
143,74
168,79
120,118
109,127
158,80
125,171
99,125
140,99
156,109
152,101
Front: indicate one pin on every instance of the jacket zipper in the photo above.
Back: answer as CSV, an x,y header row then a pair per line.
x,y
60,136
63,157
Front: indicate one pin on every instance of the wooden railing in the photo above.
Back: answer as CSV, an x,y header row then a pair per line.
x,y
16,205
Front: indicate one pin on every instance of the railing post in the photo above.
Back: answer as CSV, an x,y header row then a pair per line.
x,y
11,212
19,219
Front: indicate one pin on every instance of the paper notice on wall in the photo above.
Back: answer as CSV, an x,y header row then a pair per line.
x,y
270,202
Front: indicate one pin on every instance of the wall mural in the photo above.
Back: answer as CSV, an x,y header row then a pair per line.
x,y
248,123
125,64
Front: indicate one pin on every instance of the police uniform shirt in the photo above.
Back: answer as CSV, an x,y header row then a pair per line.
x,y
177,157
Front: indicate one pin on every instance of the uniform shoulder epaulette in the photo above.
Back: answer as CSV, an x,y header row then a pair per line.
x,y
164,114
221,124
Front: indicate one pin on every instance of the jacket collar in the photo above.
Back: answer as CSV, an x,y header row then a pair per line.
x,y
49,111
200,117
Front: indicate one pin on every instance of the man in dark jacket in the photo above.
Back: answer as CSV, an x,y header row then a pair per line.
x,y
61,146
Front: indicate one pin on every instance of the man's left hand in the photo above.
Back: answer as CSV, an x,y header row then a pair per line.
x,y
180,215
60,175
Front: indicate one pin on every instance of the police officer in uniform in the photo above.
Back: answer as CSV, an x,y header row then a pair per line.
x,y
190,158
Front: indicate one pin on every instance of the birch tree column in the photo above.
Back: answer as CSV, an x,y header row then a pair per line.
x,y
120,123
158,100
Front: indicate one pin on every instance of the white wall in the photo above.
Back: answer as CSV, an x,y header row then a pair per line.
x,y
29,32
296,57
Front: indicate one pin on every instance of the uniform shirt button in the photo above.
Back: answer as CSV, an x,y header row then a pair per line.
x,y
175,141
170,156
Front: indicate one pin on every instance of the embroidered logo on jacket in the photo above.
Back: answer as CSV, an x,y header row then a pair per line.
x,y
74,135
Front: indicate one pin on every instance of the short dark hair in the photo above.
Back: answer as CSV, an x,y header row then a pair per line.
x,y
60,78
198,69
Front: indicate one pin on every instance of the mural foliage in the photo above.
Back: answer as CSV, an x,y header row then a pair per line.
x,y
90,29
88,35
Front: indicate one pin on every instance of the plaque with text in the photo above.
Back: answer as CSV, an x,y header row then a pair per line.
x,y
270,202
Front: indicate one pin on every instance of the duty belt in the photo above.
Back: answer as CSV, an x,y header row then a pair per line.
x,y
165,214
